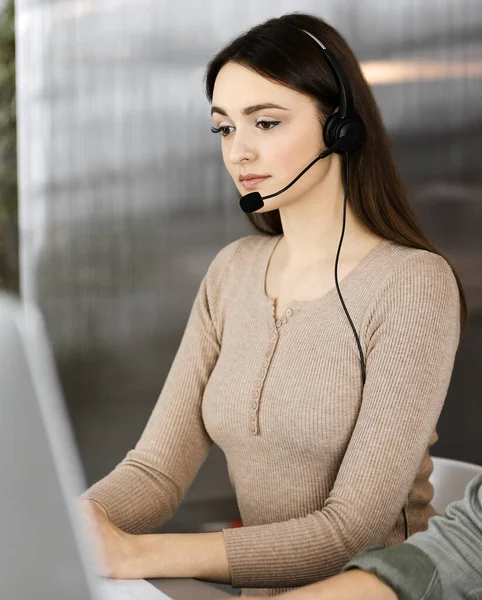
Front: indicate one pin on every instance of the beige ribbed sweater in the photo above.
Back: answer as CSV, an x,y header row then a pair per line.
x,y
321,467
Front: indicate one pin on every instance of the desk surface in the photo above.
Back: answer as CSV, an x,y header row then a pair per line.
x,y
188,589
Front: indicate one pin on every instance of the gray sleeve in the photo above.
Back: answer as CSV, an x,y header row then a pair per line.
x,y
442,563
454,544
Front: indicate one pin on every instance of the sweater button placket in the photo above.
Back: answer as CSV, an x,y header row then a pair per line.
x,y
255,407
254,424
254,421
274,333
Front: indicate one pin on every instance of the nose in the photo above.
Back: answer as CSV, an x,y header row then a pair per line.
x,y
241,150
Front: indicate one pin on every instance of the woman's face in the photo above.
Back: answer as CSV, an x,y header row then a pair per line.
x,y
269,130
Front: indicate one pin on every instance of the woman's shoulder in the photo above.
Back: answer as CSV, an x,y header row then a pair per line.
x,y
412,279
414,288
416,265
241,253
234,268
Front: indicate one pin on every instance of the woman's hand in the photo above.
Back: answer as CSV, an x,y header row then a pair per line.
x,y
118,553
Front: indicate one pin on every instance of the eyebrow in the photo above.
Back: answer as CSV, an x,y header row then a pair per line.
x,y
249,109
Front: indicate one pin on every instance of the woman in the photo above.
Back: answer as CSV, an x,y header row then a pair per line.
x,y
269,369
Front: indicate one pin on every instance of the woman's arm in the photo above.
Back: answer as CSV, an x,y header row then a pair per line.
x,y
412,333
145,489
121,555
443,562
355,585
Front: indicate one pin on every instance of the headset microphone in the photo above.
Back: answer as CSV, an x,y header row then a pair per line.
x,y
254,201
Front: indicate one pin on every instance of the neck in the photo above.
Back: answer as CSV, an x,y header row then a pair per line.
x,y
312,225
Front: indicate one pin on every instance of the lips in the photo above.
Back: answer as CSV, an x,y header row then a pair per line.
x,y
251,181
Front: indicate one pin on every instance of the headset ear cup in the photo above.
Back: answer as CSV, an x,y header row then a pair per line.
x,y
350,131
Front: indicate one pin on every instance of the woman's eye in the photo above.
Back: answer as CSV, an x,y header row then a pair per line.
x,y
267,125
224,130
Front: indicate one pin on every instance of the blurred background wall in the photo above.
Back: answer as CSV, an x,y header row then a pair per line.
x,y
124,199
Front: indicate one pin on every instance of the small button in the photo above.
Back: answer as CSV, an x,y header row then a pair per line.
x,y
273,337
289,312
283,320
265,362
254,405
278,323
253,418
256,395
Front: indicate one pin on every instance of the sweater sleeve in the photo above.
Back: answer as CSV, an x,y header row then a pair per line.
x,y
443,562
411,334
145,489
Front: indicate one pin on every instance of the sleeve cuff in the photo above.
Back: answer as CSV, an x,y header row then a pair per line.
x,y
405,568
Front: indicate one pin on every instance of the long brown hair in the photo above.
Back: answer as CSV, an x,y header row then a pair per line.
x,y
277,50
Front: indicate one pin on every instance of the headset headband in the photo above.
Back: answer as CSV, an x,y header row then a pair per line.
x,y
346,97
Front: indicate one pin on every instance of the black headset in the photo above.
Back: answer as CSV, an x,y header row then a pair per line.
x,y
343,131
